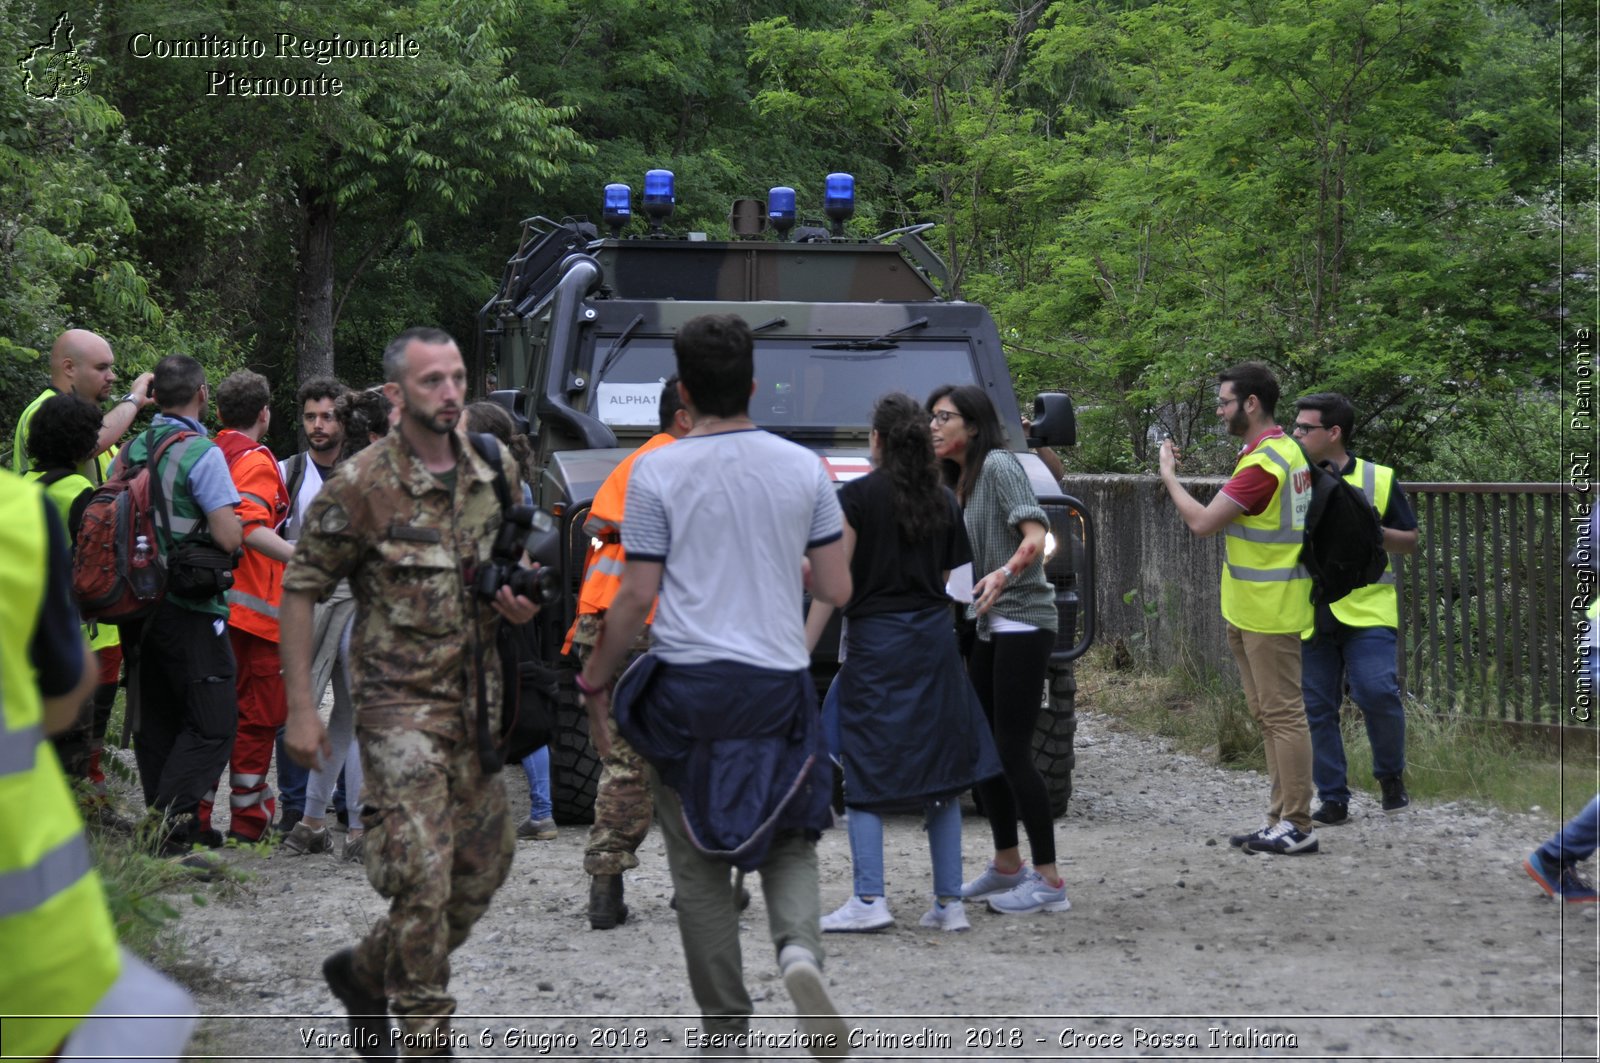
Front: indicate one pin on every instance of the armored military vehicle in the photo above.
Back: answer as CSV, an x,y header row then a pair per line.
x,y
578,341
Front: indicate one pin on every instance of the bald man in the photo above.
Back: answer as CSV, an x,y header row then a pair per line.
x,y
81,364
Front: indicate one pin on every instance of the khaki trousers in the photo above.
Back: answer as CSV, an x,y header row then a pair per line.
x,y
708,914
1270,668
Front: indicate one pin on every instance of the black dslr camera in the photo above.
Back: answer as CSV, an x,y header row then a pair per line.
x,y
523,528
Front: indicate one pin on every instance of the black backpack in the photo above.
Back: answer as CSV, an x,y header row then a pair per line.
x,y
527,717
1343,540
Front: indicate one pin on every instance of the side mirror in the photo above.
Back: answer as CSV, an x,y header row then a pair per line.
x,y
516,404
1054,423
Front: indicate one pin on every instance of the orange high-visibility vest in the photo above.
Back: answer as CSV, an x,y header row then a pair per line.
x,y
602,566
263,502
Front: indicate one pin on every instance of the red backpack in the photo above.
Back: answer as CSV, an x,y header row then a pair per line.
x,y
116,577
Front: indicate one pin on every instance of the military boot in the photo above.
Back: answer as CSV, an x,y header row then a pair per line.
x,y
606,909
369,1012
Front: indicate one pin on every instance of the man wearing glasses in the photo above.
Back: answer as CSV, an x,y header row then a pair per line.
x,y
1353,639
1266,592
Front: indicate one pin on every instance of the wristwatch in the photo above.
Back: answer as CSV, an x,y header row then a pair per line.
x,y
129,397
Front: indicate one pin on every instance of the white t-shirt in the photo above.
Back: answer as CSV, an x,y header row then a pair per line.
x,y
730,515
310,487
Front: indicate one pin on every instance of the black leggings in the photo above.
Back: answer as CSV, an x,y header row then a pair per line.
x,y
1008,673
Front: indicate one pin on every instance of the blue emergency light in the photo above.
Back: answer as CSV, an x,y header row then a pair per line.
x,y
618,209
780,209
658,197
839,200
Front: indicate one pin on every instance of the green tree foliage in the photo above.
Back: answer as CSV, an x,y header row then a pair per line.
x,y
1368,195
665,84
406,143
68,235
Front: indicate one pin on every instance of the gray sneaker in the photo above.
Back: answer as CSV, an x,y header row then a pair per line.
x,y
304,839
1033,895
541,830
993,881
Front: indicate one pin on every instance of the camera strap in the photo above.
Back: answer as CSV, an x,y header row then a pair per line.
x,y
489,450
488,749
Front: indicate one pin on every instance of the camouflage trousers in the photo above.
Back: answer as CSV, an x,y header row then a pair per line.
x,y
622,809
439,843
622,805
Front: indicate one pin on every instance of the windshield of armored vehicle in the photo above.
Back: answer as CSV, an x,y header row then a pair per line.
x,y
797,385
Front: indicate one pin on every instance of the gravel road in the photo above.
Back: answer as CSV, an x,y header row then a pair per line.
x,y
1414,936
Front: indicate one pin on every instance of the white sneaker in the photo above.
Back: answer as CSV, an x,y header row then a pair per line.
x,y
857,916
829,1034
950,916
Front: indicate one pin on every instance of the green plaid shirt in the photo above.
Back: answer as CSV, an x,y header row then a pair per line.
x,y
1001,500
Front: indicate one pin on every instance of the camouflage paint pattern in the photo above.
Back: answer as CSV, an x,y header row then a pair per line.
x,y
622,803
439,840
439,843
407,544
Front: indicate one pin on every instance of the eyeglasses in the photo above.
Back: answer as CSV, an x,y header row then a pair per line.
x,y
945,416
1301,427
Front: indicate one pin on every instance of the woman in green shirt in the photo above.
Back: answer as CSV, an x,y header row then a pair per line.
x,y
1016,617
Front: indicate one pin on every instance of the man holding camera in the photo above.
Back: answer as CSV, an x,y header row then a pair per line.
x,y
410,521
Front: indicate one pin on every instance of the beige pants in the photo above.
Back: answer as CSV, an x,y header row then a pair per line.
x,y
1270,668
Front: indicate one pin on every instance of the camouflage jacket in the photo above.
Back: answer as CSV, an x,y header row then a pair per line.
x,y
408,546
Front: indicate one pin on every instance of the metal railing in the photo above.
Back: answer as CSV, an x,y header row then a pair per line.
x,y
1486,616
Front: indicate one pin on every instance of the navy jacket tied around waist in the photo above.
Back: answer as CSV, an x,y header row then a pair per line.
x,y
741,746
903,717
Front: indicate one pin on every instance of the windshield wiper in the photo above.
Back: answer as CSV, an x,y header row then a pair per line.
x,y
617,344
879,343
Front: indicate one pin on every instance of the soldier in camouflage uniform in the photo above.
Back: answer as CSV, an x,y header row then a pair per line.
x,y
622,802
407,521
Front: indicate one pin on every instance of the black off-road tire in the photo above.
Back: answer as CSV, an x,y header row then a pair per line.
x,y
1053,752
574,766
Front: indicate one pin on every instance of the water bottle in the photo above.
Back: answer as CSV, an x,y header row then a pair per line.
x,y
143,575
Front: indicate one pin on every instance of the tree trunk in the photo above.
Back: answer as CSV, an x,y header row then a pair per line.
x,y
313,317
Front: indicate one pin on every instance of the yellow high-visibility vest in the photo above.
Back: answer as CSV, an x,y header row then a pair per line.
x,y
1375,605
1265,589
63,493
56,935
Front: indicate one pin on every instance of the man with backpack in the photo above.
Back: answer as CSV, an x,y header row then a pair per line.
x,y
1266,591
304,473
1353,639
243,405
188,711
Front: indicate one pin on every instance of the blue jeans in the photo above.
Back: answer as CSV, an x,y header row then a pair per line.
x,y
1366,657
291,782
944,845
1577,840
537,767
